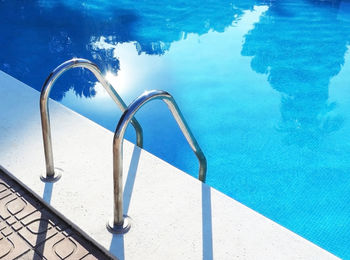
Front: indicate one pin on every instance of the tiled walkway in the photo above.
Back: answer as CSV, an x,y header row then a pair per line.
x,y
30,230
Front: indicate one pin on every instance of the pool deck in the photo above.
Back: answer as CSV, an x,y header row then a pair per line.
x,y
174,216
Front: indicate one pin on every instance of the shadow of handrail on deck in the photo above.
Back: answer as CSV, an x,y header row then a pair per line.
x,y
207,228
130,181
43,223
117,244
48,192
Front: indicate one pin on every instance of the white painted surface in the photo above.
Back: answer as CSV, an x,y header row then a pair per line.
x,y
174,215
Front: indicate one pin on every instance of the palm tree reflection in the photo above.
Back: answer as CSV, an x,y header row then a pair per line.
x,y
300,60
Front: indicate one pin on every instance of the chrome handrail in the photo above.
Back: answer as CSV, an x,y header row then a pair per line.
x,y
51,175
119,224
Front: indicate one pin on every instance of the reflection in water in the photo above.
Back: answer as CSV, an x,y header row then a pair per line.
x,y
300,63
41,34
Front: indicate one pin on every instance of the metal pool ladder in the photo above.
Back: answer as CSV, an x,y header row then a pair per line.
x,y
52,175
119,224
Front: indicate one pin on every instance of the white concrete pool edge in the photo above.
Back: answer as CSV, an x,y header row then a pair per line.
x,y
174,215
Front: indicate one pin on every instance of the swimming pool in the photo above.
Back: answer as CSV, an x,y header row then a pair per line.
x,y
262,84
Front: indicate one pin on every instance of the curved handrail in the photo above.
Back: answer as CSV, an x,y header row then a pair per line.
x,y
44,109
118,225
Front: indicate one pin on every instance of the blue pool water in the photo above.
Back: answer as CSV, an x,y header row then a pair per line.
x,y
264,86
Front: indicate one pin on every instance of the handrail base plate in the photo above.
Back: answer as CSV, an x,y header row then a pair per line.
x,y
51,179
119,229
